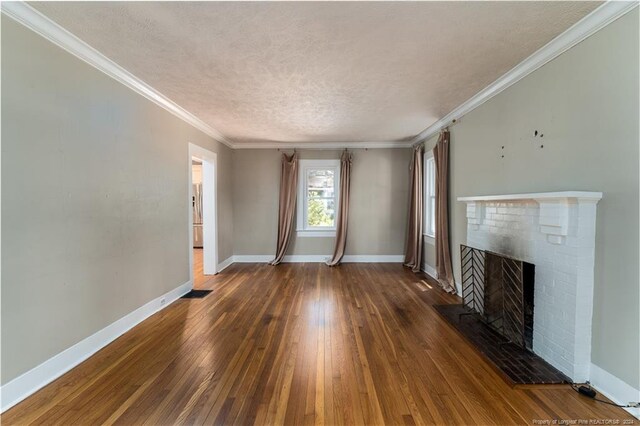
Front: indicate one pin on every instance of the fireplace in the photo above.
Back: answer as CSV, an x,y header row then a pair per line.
x,y
500,289
555,231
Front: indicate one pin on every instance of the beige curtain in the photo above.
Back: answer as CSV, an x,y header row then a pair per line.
x,y
443,250
413,251
343,209
287,203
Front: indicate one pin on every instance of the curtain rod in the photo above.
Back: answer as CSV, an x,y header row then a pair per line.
x,y
328,149
442,129
446,127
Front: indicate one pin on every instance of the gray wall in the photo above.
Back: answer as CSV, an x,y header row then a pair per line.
x,y
94,200
585,103
378,206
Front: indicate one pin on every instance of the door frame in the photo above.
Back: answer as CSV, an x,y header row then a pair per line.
x,y
209,209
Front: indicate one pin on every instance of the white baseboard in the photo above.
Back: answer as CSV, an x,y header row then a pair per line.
x,y
458,288
319,258
431,271
614,389
252,258
22,386
306,258
225,263
365,258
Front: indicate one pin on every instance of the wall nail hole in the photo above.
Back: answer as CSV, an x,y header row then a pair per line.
x,y
541,146
541,135
503,147
535,133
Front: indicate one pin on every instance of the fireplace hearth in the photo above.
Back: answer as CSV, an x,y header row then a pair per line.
x,y
497,315
517,365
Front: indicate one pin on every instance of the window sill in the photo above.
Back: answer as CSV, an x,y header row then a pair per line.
x,y
431,239
316,233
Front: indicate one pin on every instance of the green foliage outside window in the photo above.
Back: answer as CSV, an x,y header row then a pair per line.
x,y
317,215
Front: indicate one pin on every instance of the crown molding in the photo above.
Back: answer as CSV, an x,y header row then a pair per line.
x,y
587,26
42,25
321,145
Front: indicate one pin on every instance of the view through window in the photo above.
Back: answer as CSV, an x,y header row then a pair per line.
x,y
318,197
321,202
430,196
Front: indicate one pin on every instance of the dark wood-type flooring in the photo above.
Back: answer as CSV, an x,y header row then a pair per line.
x,y
299,344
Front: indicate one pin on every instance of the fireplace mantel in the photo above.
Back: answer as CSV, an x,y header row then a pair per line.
x,y
550,196
553,214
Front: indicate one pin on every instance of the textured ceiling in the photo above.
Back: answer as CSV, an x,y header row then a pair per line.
x,y
314,71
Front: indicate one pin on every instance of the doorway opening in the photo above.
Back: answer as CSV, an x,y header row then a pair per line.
x,y
203,241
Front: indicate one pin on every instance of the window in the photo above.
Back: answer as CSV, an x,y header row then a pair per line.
x,y
318,186
429,195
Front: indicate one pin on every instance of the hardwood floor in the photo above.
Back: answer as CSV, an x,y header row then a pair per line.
x,y
198,276
299,344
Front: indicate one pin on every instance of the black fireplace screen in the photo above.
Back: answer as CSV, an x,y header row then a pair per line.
x,y
500,290
473,278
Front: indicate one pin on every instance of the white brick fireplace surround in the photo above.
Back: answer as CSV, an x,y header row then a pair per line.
x,y
556,232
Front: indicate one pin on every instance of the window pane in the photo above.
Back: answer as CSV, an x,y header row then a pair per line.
x,y
432,176
432,219
321,212
320,183
320,193
430,192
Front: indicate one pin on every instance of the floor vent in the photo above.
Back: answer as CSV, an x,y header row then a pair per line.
x,y
196,294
